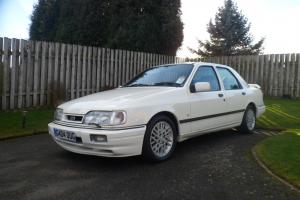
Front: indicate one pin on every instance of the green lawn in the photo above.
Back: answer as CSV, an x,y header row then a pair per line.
x,y
281,153
281,114
36,122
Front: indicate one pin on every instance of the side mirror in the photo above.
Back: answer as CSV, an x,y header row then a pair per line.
x,y
202,87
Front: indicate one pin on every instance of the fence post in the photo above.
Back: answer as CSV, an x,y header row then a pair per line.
x,y
94,70
276,76
62,77
78,69
98,71
107,66
257,70
13,71
102,73
115,69
297,81
43,73
127,65
120,71
29,73
70,77
281,77
6,68
50,73
123,66
292,75
271,66
36,74
22,71
89,71
83,82
56,69
286,74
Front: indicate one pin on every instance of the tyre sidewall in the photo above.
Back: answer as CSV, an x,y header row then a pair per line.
x,y
147,150
244,128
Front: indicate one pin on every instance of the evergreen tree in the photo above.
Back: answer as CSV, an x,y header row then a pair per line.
x,y
151,26
229,34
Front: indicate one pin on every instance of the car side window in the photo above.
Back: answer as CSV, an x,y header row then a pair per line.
x,y
207,74
230,82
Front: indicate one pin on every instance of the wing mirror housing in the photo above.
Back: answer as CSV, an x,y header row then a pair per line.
x,y
201,87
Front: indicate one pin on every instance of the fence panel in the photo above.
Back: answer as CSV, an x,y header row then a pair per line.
x,y
36,73
277,74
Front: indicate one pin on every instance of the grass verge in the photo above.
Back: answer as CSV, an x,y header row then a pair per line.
x,y
36,122
281,153
281,114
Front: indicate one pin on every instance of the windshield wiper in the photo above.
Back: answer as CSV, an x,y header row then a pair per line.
x,y
137,85
168,84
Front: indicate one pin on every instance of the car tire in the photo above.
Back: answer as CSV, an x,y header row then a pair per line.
x,y
249,120
160,139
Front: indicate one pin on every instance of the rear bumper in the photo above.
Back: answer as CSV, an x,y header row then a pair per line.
x,y
260,110
120,143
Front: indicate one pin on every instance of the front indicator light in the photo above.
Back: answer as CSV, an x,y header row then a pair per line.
x,y
98,138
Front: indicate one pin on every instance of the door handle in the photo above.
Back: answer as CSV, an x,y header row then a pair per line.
x,y
220,95
243,93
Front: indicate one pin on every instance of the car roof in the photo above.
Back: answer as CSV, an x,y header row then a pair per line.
x,y
197,64
209,63
206,63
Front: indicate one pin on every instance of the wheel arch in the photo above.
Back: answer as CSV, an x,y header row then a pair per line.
x,y
169,114
253,105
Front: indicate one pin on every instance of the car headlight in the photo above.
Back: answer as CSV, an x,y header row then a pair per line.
x,y
58,114
105,118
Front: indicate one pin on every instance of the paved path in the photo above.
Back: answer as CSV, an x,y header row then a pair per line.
x,y
214,166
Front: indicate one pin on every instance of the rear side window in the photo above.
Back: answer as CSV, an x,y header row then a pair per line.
x,y
207,74
230,82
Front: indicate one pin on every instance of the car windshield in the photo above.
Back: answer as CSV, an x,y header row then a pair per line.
x,y
165,75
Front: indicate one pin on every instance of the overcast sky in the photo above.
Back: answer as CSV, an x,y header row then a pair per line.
x,y
276,20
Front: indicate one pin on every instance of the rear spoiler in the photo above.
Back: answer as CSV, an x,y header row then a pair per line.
x,y
254,86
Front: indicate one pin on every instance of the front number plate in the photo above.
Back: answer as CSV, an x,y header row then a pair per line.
x,y
65,135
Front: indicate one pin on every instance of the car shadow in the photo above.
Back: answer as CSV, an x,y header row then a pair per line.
x,y
199,144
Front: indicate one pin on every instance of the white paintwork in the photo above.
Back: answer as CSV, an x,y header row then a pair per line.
x,y
142,103
204,104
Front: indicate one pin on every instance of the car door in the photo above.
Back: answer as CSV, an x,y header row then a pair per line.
x,y
206,106
235,95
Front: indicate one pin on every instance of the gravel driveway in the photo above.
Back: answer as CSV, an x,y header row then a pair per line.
x,y
214,166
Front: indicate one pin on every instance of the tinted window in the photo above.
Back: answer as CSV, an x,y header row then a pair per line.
x,y
207,74
166,75
229,80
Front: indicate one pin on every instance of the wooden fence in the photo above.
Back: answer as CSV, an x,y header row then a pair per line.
x,y
33,73
277,74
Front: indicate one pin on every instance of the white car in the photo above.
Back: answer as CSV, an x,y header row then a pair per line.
x,y
158,108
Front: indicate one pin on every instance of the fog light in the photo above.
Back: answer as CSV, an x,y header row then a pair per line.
x,y
98,138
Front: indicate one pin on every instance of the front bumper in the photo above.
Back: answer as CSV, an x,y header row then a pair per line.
x,y
120,143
